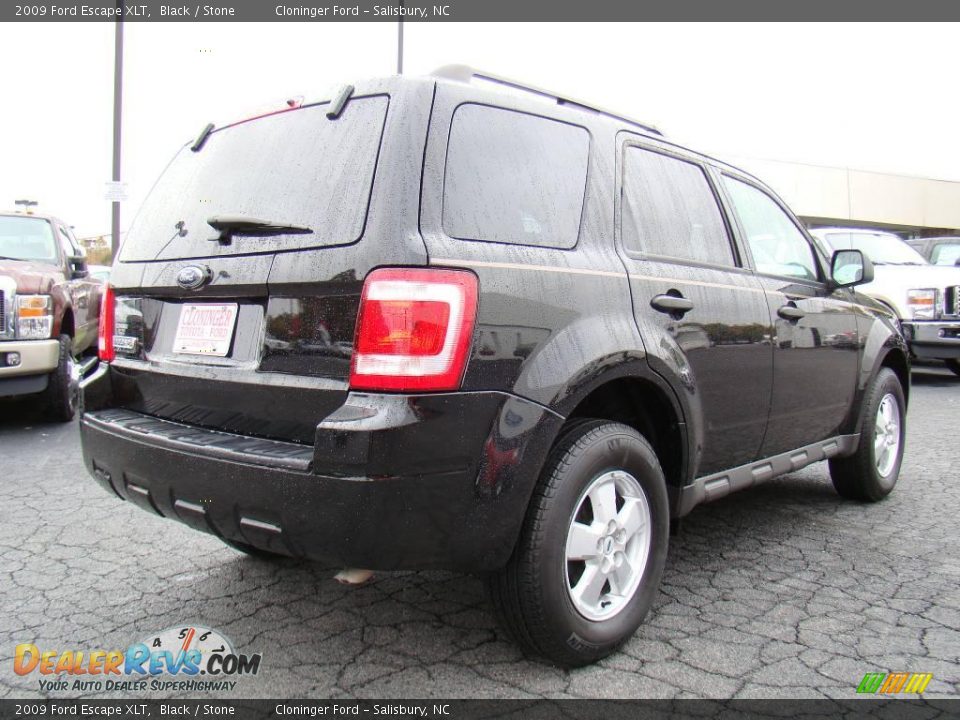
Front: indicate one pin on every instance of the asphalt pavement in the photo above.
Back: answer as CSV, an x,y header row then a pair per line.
x,y
783,590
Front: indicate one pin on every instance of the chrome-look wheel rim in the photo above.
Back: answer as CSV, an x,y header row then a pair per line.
x,y
886,435
608,544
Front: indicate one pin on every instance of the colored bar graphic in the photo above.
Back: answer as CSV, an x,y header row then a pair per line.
x,y
893,683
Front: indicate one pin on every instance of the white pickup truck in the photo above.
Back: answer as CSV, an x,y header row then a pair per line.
x,y
925,297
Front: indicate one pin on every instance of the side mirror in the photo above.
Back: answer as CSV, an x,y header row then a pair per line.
x,y
78,266
849,268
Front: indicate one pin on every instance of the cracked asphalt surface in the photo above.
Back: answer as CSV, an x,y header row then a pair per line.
x,y
784,590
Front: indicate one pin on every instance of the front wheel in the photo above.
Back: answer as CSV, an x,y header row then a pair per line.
x,y
953,365
871,473
588,564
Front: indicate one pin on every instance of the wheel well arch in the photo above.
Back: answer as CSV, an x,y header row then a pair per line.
x,y
646,407
888,305
67,326
897,361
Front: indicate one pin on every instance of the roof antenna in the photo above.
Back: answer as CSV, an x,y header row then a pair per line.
x,y
338,103
202,137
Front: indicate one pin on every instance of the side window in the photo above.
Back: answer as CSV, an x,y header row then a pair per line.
x,y
946,254
65,242
777,245
514,178
74,243
670,210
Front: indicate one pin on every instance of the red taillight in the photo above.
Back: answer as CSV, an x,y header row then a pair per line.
x,y
414,329
105,330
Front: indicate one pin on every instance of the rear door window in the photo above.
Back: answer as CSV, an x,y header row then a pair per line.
x,y
669,210
297,168
514,178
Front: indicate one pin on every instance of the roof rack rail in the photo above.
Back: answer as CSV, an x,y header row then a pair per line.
x,y
465,73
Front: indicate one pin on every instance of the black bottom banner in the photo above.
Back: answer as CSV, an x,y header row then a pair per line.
x,y
480,709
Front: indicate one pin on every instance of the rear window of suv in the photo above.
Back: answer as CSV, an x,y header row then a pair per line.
x,y
297,168
514,178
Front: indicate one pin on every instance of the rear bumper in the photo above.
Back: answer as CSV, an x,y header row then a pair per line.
x,y
392,482
934,340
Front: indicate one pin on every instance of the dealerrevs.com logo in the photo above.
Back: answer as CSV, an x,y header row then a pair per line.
x,y
192,658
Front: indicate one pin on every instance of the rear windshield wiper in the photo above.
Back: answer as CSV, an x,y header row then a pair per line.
x,y
230,225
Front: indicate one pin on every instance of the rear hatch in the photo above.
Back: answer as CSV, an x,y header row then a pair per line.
x,y
262,346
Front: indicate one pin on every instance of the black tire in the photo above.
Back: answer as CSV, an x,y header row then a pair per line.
x,y
531,595
953,365
857,477
254,552
62,393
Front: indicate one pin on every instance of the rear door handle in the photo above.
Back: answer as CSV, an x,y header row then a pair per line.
x,y
673,305
790,312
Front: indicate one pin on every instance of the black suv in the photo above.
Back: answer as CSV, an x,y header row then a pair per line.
x,y
432,324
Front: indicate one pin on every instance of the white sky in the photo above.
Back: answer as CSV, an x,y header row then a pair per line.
x,y
873,96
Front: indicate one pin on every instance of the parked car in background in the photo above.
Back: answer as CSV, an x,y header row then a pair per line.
x,y
463,328
49,309
926,298
938,250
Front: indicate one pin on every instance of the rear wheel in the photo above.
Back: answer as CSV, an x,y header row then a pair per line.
x,y
63,388
588,564
871,473
953,365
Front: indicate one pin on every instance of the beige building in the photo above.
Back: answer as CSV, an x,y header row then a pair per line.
x,y
820,195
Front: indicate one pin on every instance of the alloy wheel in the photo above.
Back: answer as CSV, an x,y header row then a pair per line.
x,y
886,436
608,544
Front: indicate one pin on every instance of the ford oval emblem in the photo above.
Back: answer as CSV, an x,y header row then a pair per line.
x,y
194,277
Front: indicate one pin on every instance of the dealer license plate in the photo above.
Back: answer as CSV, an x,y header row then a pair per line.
x,y
205,329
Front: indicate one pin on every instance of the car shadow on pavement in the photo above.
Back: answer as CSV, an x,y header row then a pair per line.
x,y
933,376
18,413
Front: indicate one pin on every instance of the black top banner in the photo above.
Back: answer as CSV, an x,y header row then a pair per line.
x,y
476,10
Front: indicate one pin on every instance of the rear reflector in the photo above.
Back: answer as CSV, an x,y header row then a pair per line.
x,y
105,329
414,329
